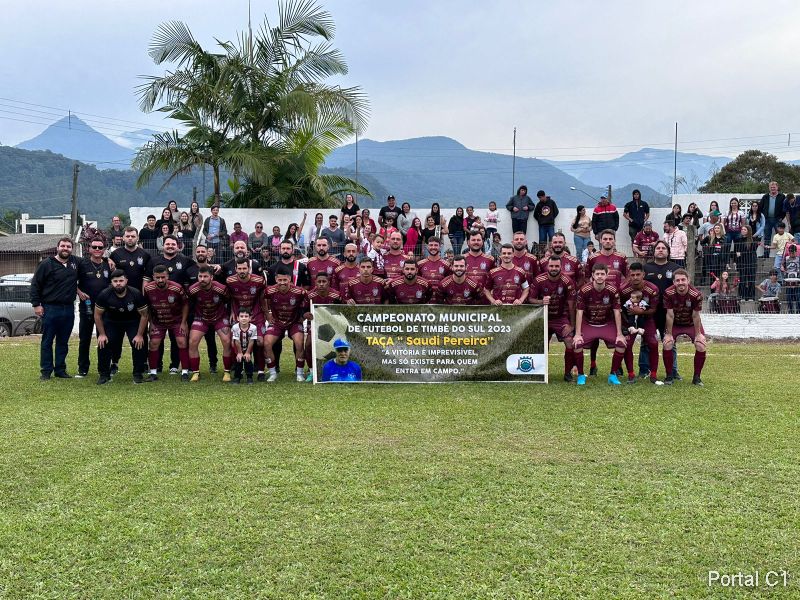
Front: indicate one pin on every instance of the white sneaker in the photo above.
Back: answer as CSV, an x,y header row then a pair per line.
x,y
173,371
272,377
301,378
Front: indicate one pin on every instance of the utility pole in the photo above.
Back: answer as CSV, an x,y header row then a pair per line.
x,y
675,164
194,193
74,215
609,192
356,156
514,165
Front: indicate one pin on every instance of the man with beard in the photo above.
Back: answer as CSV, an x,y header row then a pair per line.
x,y
394,259
458,289
246,291
570,266
408,289
228,269
120,311
322,261
169,311
133,260
522,258
478,262
322,293
644,241
433,269
209,299
287,258
598,316
94,275
201,256
617,266
683,303
348,269
286,306
556,291
660,273
53,290
506,284
651,295
366,288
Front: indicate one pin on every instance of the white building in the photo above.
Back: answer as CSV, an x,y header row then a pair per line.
x,y
58,224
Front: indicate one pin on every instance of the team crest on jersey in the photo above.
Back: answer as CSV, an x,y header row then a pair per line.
x,y
669,275
567,267
139,261
130,306
131,262
483,265
688,304
292,301
253,290
419,294
561,289
516,278
616,264
171,299
606,300
105,273
441,270
216,298
466,293
375,291
527,265
178,265
330,270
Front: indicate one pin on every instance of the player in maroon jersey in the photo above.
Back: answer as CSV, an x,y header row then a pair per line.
x,y
366,288
210,312
246,291
506,284
394,259
556,291
651,295
348,269
434,268
408,289
169,311
321,262
322,293
287,305
683,303
458,288
524,259
478,262
598,316
570,266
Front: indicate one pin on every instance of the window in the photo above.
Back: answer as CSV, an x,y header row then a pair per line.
x,y
34,228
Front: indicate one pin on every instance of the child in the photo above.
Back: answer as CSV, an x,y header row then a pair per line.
x,y
244,335
588,252
779,241
635,322
722,285
771,287
492,219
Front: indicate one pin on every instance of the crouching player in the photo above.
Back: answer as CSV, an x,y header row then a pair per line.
x,y
245,338
169,312
286,306
683,303
210,312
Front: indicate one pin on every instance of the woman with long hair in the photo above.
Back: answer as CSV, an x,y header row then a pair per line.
x,y
165,231
195,216
431,230
713,206
173,207
733,223
368,220
166,218
745,252
413,244
295,235
714,252
676,216
455,228
756,221
696,214
315,231
582,230
436,213
185,233
356,232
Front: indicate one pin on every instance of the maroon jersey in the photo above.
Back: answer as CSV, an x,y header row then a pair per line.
x,y
570,266
287,307
210,305
393,264
528,263
399,291
459,293
617,267
166,305
561,290
343,275
366,293
433,271
478,267
247,294
507,285
598,306
316,265
332,297
683,305
649,291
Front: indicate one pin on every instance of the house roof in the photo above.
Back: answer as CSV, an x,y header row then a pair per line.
x,y
29,242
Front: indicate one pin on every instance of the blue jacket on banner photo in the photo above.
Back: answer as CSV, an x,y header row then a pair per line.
x,y
332,371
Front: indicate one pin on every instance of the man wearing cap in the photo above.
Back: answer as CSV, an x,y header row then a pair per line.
x,y
341,369
644,241
390,210
636,212
604,216
705,228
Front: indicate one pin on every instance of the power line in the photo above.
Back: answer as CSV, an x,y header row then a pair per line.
x,y
66,110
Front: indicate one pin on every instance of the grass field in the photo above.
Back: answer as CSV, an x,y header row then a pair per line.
x,y
470,491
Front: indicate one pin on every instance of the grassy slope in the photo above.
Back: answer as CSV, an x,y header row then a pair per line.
x,y
388,491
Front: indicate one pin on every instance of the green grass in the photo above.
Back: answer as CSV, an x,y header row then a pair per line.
x,y
287,491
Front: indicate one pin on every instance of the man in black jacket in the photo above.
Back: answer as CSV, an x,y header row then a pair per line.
x,y
771,206
53,290
545,213
520,207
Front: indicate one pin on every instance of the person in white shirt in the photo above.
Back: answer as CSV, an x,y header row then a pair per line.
x,y
677,241
492,221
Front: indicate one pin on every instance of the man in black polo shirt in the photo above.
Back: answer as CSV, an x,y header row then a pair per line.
x,y
228,269
120,311
132,259
94,275
53,290
390,210
659,273
148,235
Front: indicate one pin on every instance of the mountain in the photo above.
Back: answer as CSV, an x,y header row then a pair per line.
x,y
439,169
649,166
73,138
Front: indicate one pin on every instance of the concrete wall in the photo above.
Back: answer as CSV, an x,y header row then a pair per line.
x,y
752,326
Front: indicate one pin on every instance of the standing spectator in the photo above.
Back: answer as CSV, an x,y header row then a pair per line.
x,y
185,234
790,268
677,241
258,238
676,216
712,207
215,231
53,290
756,222
148,236
696,213
166,217
390,210
779,241
714,254
431,230
388,227
335,236
436,213
545,213
196,217
116,230
405,218
275,240
173,208
350,207
165,233
413,244
470,218
94,275
745,252
791,206
237,235
455,230
645,241
492,219
604,216
294,233
582,230
369,220
520,207
356,231
772,208
636,212
733,223
315,230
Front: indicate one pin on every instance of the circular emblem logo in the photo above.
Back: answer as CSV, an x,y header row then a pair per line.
x,y
140,261
171,299
178,265
216,298
292,301
516,278
253,290
606,300
419,294
527,265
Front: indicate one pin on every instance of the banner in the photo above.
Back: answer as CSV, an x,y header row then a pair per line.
x,y
429,343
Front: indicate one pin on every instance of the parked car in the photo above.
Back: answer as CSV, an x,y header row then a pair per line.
x,y
16,313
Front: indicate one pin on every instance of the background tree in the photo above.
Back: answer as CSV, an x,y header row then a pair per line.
x,y
751,172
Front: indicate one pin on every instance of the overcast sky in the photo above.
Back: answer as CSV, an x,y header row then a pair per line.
x,y
579,80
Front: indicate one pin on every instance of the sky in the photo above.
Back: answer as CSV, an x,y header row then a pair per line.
x,y
577,79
